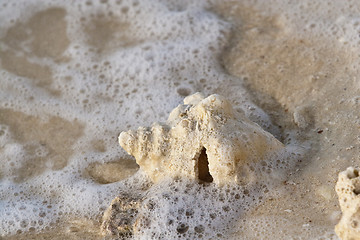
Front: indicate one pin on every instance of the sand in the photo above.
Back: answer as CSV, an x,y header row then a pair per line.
x,y
74,75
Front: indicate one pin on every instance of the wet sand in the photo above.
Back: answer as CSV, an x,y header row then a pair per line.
x,y
73,76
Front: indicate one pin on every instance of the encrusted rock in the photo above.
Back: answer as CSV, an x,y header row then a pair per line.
x,y
119,219
348,190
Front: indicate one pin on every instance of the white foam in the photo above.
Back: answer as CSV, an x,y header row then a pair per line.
x,y
152,54
128,86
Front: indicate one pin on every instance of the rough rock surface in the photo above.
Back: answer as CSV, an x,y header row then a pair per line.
x,y
119,219
348,190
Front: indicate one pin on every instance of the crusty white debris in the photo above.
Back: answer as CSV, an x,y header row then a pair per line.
x,y
348,190
119,219
204,139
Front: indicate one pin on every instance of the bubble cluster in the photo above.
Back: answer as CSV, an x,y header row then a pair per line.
x,y
187,210
73,75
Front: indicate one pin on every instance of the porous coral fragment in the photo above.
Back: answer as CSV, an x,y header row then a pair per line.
x,y
348,190
231,141
120,217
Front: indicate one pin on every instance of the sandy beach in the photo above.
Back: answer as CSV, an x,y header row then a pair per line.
x,y
74,75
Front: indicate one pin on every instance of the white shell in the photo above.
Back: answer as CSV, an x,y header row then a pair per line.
x,y
203,130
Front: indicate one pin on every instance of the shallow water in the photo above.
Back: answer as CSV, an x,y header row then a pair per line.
x,y
74,75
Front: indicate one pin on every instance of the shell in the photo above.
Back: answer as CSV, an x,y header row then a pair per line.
x,y
204,139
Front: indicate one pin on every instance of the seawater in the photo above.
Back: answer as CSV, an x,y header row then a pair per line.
x,y
74,74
